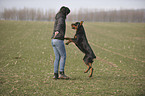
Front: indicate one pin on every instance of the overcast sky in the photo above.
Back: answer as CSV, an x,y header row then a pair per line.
x,y
73,4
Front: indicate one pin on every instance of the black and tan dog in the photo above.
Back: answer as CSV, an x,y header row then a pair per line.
x,y
81,42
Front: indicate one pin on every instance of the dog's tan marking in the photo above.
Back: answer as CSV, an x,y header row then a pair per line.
x,y
76,27
81,22
87,69
91,73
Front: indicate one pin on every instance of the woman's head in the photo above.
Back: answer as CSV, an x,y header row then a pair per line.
x,y
65,10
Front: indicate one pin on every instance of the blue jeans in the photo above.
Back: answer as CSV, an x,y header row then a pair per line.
x,y
60,54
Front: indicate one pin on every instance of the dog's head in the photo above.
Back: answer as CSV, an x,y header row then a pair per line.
x,y
76,25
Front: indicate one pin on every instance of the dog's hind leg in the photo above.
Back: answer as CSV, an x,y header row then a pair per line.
x,y
87,69
91,73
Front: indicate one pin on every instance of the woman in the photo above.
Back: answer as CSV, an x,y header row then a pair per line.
x,y
58,42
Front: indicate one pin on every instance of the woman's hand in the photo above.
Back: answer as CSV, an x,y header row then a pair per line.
x,y
56,34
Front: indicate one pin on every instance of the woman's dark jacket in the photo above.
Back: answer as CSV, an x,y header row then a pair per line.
x,y
60,24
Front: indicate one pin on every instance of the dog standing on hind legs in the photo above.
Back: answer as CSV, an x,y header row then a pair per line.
x,y
81,42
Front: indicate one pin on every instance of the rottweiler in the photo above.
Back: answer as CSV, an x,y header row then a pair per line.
x,y
81,42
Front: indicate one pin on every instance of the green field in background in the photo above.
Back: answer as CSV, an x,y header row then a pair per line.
x,y
26,60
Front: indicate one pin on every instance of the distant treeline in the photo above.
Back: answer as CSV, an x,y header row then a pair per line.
x,y
92,15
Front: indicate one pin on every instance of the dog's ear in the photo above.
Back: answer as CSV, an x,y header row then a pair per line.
x,y
81,22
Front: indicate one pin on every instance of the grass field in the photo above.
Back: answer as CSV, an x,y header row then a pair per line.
x,y
26,60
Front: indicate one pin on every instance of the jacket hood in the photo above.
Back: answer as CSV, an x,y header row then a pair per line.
x,y
63,12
